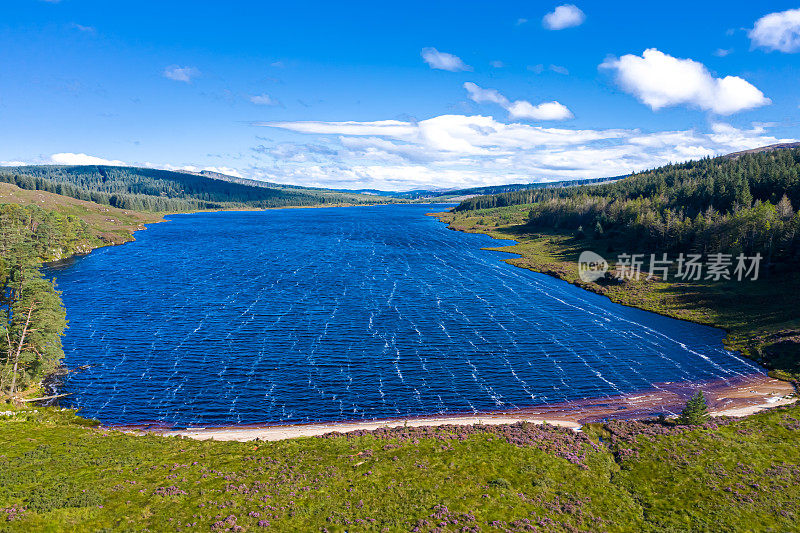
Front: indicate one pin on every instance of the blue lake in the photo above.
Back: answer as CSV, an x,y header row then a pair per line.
x,y
348,313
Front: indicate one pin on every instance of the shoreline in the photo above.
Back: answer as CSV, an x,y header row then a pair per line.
x,y
579,284
735,398
728,342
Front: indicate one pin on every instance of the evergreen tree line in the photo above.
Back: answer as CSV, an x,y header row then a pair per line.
x,y
729,205
32,316
144,189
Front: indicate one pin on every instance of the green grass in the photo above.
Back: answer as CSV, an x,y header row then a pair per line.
x,y
761,317
72,476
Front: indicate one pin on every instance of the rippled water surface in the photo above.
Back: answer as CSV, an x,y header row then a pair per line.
x,y
347,313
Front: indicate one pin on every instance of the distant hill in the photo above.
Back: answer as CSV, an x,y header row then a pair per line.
x,y
770,148
455,194
498,189
148,189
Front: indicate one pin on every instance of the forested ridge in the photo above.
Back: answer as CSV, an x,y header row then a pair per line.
x,y
147,189
490,189
745,204
32,316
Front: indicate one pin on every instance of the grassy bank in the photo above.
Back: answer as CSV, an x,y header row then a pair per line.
x,y
761,316
59,472
108,225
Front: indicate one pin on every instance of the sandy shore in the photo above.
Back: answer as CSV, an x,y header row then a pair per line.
x,y
741,397
313,430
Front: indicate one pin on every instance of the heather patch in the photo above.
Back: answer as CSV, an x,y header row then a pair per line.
x,y
60,475
567,444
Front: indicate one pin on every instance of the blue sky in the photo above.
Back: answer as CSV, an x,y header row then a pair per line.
x,y
414,94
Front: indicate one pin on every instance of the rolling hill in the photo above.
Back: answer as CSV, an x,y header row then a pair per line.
x,y
148,189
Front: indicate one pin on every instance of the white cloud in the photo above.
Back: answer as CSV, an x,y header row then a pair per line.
x,y
519,109
566,16
443,61
723,52
462,151
68,158
545,111
778,31
559,69
660,80
262,99
520,22
394,128
184,74
480,95
496,64
12,163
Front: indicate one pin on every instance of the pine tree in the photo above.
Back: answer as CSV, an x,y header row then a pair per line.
x,y
696,411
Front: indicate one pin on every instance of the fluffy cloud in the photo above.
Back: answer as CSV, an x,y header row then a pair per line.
x,y
68,158
660,80
519,109
778,31
545,111
184,74
443,61
462,151
262,99
566,16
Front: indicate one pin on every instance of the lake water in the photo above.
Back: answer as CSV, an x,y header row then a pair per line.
x,y
348,313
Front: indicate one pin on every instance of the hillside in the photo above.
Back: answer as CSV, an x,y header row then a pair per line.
x,y
722,183
106,225
740,205
147,189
